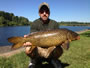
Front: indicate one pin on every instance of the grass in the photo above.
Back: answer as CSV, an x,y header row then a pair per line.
x,y
78,56
16,61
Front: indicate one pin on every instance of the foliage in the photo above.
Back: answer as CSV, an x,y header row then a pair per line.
x,y
74,23
9,19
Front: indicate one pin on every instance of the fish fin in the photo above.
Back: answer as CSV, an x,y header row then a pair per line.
x,y
65,45
17,45
15,39
69,40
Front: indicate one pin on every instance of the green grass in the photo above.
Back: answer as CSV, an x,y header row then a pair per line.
x,y
16,61
78,56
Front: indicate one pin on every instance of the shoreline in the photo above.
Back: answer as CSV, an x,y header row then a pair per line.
x,y
82,31
5,51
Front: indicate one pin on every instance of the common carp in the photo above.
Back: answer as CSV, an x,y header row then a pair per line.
x,y
46,38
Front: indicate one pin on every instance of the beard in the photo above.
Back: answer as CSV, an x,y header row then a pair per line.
x,y
44,17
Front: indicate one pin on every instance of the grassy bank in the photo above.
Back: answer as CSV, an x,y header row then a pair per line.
x,y
78,56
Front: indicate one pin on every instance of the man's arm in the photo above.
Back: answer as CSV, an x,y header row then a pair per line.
x,y
34,27
56,26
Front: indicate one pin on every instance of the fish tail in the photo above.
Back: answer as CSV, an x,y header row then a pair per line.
x,y
15,39
17,42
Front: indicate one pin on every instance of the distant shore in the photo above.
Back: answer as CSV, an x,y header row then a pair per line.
x,y
6,50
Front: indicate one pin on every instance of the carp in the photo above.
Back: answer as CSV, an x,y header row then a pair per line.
x,y
46,38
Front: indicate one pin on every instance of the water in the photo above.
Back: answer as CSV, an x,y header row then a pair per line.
x,y
6,32
76,28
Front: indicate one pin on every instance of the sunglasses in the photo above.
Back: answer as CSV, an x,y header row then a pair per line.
x,y
42,11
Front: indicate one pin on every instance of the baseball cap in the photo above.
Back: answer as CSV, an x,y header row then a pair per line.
x,y
44,6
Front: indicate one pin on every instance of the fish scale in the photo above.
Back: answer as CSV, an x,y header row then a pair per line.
x,y
47,38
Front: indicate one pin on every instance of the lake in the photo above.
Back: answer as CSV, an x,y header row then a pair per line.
x,y
6,32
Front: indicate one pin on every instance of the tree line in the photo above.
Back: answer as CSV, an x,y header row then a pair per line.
x,y
73,23
9,19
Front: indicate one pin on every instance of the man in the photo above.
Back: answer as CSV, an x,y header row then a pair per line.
x,y
39,54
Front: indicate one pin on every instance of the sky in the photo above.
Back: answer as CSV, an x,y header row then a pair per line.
x,y
60,10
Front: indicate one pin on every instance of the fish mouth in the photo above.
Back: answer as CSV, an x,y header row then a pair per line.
x,y
78,37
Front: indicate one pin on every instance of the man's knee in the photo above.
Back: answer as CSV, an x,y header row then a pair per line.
x,y
57,52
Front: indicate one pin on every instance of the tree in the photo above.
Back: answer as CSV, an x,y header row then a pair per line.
x,y
9,19
1,20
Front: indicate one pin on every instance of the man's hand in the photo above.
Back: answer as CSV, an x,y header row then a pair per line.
x,y
27,43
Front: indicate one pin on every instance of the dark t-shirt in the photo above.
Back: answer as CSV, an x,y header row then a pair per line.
x,y
38,25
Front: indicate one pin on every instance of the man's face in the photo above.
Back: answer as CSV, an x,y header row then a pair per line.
x,y
44,14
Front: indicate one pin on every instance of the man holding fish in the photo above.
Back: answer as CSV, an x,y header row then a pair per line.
x,y
42,24
46,40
